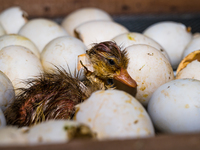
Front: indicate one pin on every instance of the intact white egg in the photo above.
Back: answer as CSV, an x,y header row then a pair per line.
x,y
42,31
63,52
12,19
18,64
2,31
15,39
12,136
172,36
193,45
149,68
175,106
98,31
132,38
57,131
75,18
115,114
2,120
7,93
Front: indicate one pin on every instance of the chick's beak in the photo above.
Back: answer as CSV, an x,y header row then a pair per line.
x,y
125,78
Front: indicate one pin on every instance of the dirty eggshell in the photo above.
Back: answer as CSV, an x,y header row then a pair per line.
x,y
149,68
7,93
15,39
114,114
12,19
83,15
175,106
2,120
133,38
172,36
2,31
98,31
18,64
63,52
42,31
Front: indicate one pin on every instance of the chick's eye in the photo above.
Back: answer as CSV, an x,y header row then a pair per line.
x,y
111,62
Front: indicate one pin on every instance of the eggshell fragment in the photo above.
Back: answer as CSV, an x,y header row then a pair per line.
x,y
132,38
193,45
175,106
42,31
149,68
57,131
12,19
98,31
15,39
2,31
12,136
2,120
114,114
63,52
83,15
172,36
7,93
18,64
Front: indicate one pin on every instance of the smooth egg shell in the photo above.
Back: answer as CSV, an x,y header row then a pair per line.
x,y
2,31
175,106
2,120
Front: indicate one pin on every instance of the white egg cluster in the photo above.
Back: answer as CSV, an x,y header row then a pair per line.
x,y
30,47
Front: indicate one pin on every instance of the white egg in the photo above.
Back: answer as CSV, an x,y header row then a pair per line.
x,y
114,114
132,38
149,68
12,19
172,36
7,93
2,31
175,106
12,136
2,120
82,15
56,131
15,39
63,52
98,31
193,45
18,64
42,31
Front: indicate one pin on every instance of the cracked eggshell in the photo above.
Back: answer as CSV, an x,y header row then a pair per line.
x,y
98,31
7,93
175,106
149,68
41,31
2,31
2,120
115,114
12,135
18,64
132,38
63,52
12,19
193,45
54,131
83,15
15,39
172,36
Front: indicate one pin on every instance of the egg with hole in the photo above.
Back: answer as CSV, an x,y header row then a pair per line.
x,y
12,19
98,31
115,114
132,38
41,31
172,36
63,52
175,107
15,39
77,17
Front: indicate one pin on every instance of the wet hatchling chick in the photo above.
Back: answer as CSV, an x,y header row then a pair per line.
x,y
55,95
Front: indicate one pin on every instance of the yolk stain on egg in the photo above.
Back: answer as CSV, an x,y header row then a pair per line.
x,y
141,115
89,119
165,93
187,106
142,88
145,95
129,101
130,37
136,121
